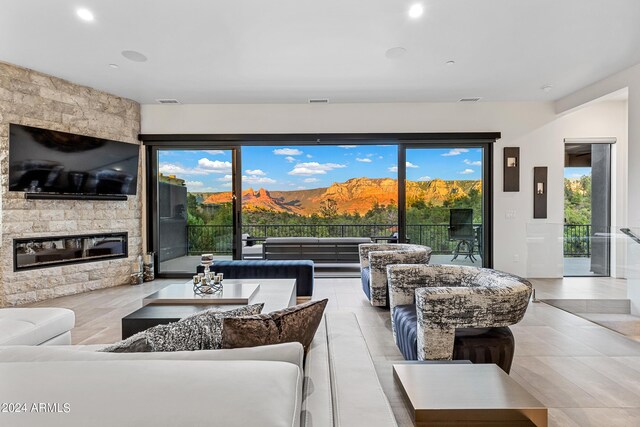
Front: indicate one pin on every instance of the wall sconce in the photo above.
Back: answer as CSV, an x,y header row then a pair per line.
x,y
511,170
539,192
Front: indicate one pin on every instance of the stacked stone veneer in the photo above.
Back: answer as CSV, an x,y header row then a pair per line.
x,y
35,99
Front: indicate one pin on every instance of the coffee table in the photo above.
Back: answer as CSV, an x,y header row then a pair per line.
x,y
276,294
478,395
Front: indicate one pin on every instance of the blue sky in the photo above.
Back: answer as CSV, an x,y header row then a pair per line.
x,y
576,172
303,167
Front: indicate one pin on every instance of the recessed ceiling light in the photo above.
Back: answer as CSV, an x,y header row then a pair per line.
x,y
546,88
134,56
395,52
114,66
85,14
416,11
450,63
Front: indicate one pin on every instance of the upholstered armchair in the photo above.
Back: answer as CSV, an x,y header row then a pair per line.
x,y
374,259
430,302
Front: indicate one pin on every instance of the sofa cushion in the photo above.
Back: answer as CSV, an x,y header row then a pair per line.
x,y
479,345
155,393
200,331
33,326
292,240
287,352
298,323
344,240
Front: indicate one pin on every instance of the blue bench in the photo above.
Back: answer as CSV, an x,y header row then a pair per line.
x,y
301,270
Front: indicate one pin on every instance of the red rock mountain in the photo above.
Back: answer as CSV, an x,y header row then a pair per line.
x,y
355,195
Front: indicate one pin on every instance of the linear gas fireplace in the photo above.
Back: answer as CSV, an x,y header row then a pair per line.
x,y
52,251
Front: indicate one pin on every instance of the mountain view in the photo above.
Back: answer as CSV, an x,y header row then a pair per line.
x,y
354,196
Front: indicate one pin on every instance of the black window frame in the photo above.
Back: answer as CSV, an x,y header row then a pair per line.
x,y
235,142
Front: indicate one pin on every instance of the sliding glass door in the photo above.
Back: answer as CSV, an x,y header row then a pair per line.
x,y
226,197
195,205
318,191
445,191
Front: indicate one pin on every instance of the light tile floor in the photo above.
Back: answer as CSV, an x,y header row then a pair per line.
x,y
586,374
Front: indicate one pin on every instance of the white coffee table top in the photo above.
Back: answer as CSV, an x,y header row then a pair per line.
x,y
274,293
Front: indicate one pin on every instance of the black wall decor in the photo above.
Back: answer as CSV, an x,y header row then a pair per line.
x,y
540,192
511,169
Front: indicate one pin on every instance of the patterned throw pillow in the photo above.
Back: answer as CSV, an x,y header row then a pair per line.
x,y
199,331
298,323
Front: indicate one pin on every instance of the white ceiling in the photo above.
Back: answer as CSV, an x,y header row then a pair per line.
x,y
246,51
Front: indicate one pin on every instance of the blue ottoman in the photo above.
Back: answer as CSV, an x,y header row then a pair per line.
x,y
479,345
302,271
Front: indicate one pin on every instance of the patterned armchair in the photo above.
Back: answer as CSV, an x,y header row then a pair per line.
x,y
444,298
374,259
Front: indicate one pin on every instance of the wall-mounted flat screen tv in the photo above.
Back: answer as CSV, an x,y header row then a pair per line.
x,y
47,161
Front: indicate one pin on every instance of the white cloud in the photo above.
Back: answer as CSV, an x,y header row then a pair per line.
x,y
287,152
314,168
455,152
348,147
309,156
470,163
198,186
370,155
300,187
176,169
363,160
257,179
255,172
290,159
467,171
424,178
226,178
311,180
380,157
394,168
214,152
214,166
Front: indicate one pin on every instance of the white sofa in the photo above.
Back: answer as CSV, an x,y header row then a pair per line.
x,y
36,326
265,386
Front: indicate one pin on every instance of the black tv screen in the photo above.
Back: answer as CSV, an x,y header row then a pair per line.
x,y
48,161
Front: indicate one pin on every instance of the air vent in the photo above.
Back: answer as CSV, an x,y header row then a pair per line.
x,y
469,99
167,101
318,101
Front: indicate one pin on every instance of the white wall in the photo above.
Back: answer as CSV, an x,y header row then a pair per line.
x,y
629,79
535,127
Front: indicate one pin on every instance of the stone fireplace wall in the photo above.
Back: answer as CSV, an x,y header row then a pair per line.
x,y
31,98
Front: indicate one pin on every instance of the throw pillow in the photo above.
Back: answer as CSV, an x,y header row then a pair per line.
x,y
199,331
298,323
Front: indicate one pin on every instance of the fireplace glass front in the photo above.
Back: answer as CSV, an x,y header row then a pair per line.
x,y
56,250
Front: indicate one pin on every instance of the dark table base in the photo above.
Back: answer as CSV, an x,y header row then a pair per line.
x,y
153,315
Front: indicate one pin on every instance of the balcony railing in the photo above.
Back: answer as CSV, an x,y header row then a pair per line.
x,y
577,240
218,239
